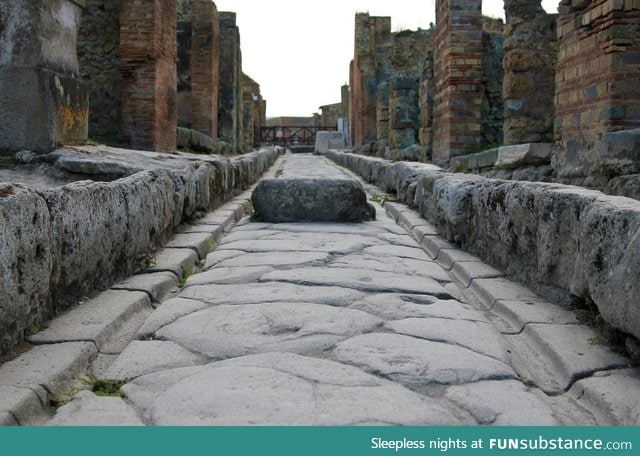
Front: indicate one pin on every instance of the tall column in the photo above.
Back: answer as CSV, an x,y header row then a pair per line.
x,y
43,102
230,127
458,78
148,53
205,48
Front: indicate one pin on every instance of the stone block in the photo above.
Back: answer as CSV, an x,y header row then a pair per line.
x,y
516,156
326,140
307,200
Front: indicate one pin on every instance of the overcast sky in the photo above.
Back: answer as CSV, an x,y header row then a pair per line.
x,y
299,51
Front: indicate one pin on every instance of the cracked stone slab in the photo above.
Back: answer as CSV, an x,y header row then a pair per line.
x,y
144,357
502,403
7,419
87,409
201,243
416,362
236,235
398,251
157,285
280,389
22,404
558,355
222,219
433,245
271,292
383,222
51,366
610,396
229,331
515,315
362,280
312,243
396,265
174,260
395,306
96,320
215,230
467,271
419,232
168,312
277,259
448,257
360,229
479,337
491,290
397,239
225,275
219,256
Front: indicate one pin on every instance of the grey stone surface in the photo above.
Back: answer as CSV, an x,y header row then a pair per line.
x,y
416,362
448,257
229,331
220,255
145,357
326,140
51,366
502,403
157,285
398,251
311,200
229,275
97,320
7,419
277,259
491,290
477,336
396,265
314,243
168,312
22,404
174,260
516,315
87,409
520,155
201,243
279,389
466,272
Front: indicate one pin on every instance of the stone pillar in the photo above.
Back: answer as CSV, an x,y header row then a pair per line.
x,y
99,58
252,110
43,102
148,54
531,52
344,99
427,94
458,78
598,72
205,48
230,95
382,117
370,67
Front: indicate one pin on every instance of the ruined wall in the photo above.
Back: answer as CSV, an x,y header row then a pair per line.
x,y
253,107
230,95
205,50
329,115
426,102
183,68
492,108
531,49
598,84
382,116
148,54
44,102
99,58
458,78
370,67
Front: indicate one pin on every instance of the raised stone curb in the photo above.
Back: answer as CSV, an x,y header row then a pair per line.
x,y
201,243
157,285
176,261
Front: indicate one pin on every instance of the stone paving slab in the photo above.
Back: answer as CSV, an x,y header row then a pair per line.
x,y
396,265
157,285
201,243
276,259
515,315
467,271
22,405
95,321
168,312
87,409
229,275
174,260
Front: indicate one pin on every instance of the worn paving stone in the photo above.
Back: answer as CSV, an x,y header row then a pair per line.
x,y
502,403
491,290
362,280
201,243
216,230
433,245
360,229
396,265
277,259
279,389
396,306
448,257
168,312
419,232
467,271
87,409
144,357
24,405
515,315
174,260
479,337
7,419
235,235
316,243
51,366
397,239
611,396
97,320
157,285
222,219
219,256
226,275
399,251
416,362
271,292
228,331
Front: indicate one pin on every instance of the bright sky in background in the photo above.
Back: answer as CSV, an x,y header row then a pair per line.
x,y
299,50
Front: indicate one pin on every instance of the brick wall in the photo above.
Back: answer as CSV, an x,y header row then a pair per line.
x,y
458,77
230,83
253,107
148,53
598,73
205,45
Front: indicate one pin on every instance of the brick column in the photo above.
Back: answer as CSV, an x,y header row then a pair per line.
x,y
205,47
148,55
230,96
43,102
458,78
531,52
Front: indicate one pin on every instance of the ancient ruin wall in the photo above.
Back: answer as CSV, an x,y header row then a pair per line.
x,y
253,115
458,78
492,109
148,53
531,49
205,49
230,83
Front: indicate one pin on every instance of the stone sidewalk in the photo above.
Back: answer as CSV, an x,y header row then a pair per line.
x,y
380,322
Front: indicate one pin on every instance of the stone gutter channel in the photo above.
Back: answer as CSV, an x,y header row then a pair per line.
x,y
372,322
